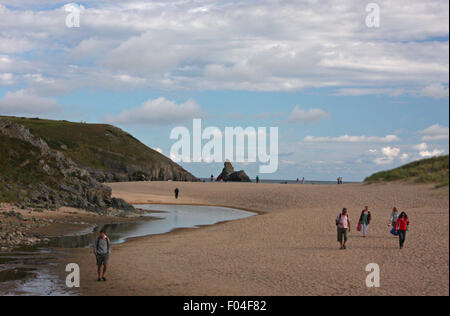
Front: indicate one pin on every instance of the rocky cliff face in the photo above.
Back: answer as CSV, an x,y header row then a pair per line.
x,y
107,152
36,175
156,171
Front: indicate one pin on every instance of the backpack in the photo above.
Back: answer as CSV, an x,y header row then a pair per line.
x,y
98,240
339,219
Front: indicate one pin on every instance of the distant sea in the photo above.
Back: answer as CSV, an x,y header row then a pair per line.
x,y
287,181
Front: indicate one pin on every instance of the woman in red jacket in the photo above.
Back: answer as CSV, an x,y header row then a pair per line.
x,y
402,226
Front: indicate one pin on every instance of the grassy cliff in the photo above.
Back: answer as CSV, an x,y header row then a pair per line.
x,y
433,170
109,153
34,175
19,168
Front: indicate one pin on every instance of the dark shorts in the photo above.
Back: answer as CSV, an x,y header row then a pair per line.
x,y
342,234
102,260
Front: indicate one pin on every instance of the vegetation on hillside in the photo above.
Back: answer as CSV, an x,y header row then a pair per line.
x,y
87,144
35,176
103,147
433,170
20,169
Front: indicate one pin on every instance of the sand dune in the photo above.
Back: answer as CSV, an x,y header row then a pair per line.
x,y
289,250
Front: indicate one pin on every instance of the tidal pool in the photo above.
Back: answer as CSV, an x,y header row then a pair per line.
x,y
171,217
33,273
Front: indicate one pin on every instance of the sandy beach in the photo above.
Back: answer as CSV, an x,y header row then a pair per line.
x,y
290,249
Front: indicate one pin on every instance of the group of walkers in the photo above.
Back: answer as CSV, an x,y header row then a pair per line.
x,y
340,181
399,222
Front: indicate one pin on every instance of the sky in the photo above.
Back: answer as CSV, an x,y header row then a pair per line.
x,y
349,97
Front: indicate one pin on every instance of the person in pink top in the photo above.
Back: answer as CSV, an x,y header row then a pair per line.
x,y
343,228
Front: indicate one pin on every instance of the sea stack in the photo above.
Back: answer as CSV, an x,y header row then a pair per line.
x,y
229,175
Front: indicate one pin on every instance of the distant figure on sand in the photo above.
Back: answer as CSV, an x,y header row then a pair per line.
x,y
402,227
298,180
177,192
303,180
394,217
102,250
364,220
257,179
212,178
343,228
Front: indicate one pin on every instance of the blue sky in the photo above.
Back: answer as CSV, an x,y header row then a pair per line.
x,y
348,100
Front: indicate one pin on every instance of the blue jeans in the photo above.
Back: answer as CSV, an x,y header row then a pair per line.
x,y
364,228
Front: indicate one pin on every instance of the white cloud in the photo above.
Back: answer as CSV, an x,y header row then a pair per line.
x,y
435,90
5,63
249,45
390,152
428,154
352,139
404,157
6,79
369,91
159,150
130,79
92,49
389,156
435,133
306,117
26,103
158,112
15,45
421,146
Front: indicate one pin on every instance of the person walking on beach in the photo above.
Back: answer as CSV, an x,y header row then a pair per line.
x,y
177,192
364,220
303,180
394,217
102,250
401,226
343,228
212,178
257,179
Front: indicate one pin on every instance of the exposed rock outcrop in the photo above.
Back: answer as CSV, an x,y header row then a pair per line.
x,y
154,172
229,175
55,180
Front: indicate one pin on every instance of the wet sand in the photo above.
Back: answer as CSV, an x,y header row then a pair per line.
x,y
290,249
27,265
61,222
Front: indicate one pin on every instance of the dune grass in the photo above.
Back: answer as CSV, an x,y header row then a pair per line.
x,y
432,170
